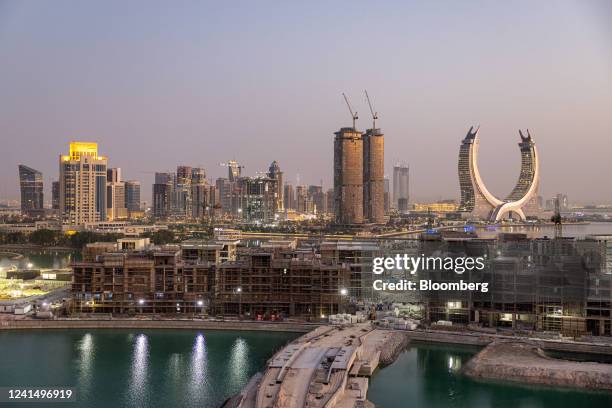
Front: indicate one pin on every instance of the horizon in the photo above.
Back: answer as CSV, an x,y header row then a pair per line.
x,y
148,82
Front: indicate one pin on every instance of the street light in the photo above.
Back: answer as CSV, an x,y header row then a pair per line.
x,y
343,291
30,265
141,301
239,291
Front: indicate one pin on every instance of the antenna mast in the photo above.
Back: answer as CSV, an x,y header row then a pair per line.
x,y
353,115
374,114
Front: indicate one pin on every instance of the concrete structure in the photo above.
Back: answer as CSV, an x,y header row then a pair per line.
x,y
31,186
373,176
477,201
348,176
82,184
207,275
401,185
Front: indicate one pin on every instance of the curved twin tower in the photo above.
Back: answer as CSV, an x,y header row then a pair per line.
x,y
478,201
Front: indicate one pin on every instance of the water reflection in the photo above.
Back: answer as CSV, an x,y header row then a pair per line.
x,y
137,390
86,358
239,361
199,368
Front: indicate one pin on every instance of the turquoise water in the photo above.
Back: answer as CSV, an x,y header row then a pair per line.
x,y
137,368
429,376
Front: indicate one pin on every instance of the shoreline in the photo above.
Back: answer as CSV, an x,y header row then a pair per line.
x,y
67,324
526,363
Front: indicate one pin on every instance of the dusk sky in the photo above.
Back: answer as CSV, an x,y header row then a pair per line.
x,y
160,84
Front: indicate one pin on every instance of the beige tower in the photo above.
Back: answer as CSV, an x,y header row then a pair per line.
x,y
82,184
348,176
374,176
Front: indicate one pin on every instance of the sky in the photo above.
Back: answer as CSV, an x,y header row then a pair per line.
x,y
159,84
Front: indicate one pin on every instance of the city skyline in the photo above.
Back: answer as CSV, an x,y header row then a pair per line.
x,y
157,100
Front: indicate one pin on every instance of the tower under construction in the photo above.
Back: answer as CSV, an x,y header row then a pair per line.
x,y
348,176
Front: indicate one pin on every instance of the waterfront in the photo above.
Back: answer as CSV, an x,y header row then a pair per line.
x,y
45,258
540,231
427,375
138,368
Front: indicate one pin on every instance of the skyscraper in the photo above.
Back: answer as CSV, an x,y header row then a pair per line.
x,y
348,176
115,195
55,195
31,184
478,202
132,195
199,193
163,193
373,176
274,172
82,184
401,184
387,198
289,197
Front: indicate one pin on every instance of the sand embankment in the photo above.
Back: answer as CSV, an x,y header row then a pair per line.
x,y
525,362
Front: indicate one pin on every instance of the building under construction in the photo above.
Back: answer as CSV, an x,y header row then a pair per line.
x,y
208,277
359,167
561,285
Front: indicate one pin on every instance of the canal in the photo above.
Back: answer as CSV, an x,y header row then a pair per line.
x,y
429,375
137,368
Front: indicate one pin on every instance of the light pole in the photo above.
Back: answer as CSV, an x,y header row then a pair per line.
x,y
343,293
201,304
141,303
239,291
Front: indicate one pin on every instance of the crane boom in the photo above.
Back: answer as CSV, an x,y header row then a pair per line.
x,y
353,115
374,114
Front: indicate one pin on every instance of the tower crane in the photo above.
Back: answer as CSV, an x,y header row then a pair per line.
x,y
353,115
374,114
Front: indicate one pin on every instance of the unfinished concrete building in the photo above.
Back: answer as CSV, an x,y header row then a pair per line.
x,y
348,176
374,176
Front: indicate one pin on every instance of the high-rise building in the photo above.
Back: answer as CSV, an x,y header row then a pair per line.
x,y
82,184
274,172
257,199
301,198
234,170
182,191
55,195
31,184
315,194
199,193
289,197
132,195
348,176
115,195
329,201
163,194
401,184
373,176
478,202
161,200
387,197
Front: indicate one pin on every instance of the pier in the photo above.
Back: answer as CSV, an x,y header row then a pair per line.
x,y
328,367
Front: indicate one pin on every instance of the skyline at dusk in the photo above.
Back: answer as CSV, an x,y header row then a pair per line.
x,y
158,86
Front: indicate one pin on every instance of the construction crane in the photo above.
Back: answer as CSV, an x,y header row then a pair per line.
x,y
374,114
556,218
353,115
